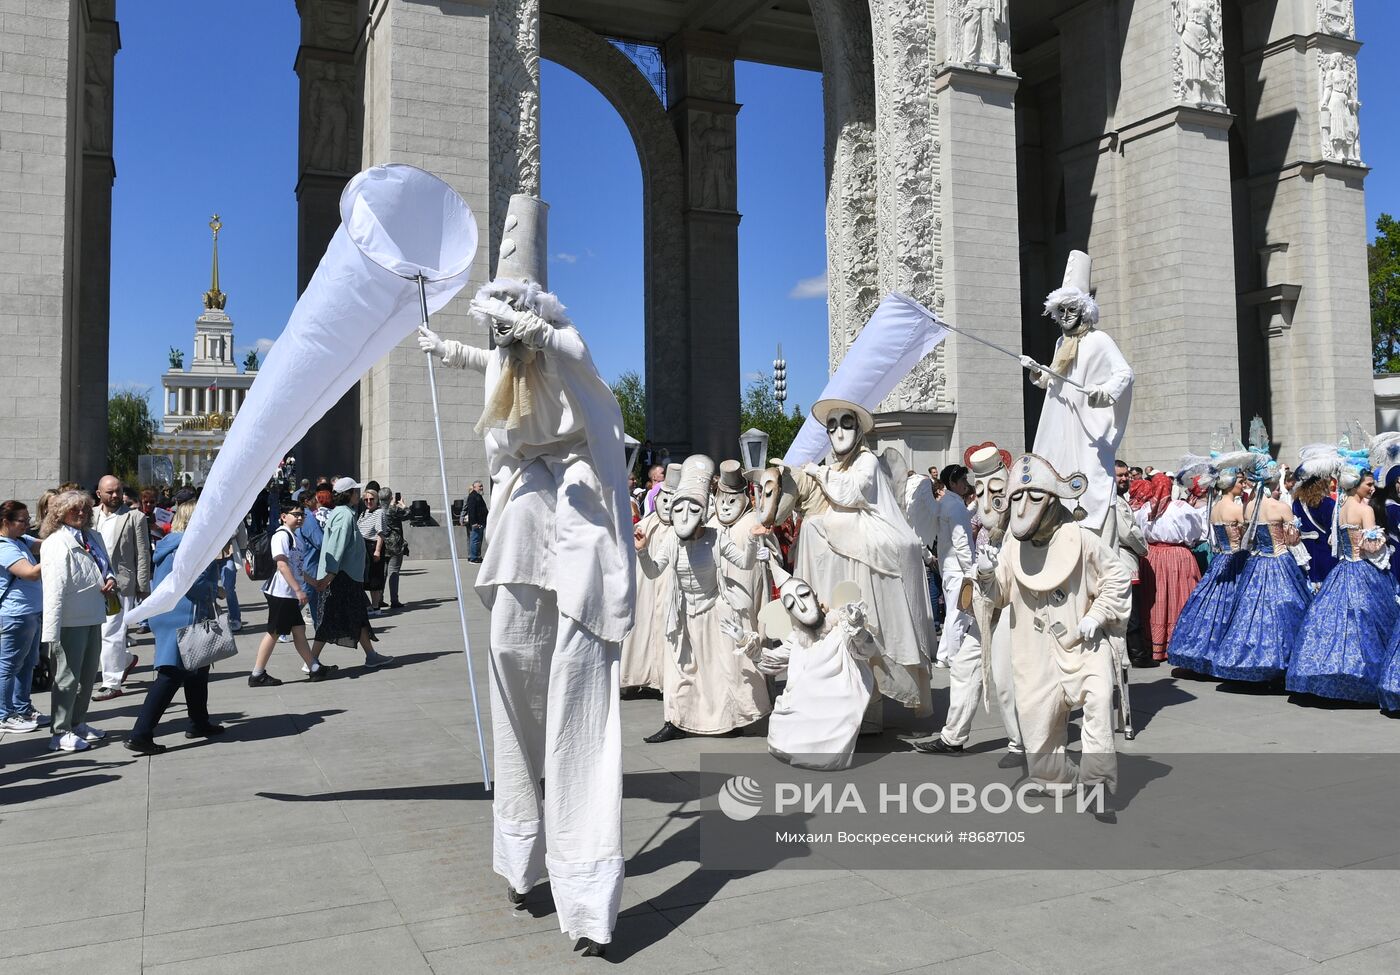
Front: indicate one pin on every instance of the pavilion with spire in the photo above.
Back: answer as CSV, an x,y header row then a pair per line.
x,y
201,400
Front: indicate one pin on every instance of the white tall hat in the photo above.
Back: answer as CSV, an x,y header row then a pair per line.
x,y
696,473
1078,271
524,253
673,477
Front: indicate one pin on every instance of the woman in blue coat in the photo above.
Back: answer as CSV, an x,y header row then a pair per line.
x,y
197,604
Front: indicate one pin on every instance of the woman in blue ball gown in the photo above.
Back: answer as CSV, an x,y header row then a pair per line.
x,y
1348,626
1314,507
1208,611
1271,598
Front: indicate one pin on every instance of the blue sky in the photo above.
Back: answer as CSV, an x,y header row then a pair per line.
x,y
199,129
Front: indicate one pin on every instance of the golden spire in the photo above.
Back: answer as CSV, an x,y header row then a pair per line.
x,y
214,298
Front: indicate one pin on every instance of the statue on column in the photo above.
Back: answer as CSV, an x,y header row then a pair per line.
x,y
1340,105
1083,420
1200,51
985,35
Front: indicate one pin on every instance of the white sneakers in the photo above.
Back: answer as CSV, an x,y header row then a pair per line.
x,y
88,733
18,724
67,742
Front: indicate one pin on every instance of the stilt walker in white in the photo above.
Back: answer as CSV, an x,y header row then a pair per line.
x,y
706,688
989,630
1064,587
1083,421
558,577
643,647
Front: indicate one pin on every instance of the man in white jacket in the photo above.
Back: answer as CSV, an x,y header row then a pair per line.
x,y
559,578
124,532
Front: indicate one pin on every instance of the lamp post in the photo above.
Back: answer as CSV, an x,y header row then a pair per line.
x,y
780,377
753,448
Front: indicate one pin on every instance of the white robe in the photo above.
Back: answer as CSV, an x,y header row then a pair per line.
x,y
745,590
852,529
817,717
1074,436
641,650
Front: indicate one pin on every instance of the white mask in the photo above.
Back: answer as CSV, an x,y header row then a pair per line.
x,y
729,508
1028,508
843,429
991,498
687,514
663,505
802,604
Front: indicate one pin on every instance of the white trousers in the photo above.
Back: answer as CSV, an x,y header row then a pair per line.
x,y
1051,682
555,717
955,622
115,655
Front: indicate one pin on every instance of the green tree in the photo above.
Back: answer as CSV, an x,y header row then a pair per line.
x,y
759,409
1383,263
631,395
130,431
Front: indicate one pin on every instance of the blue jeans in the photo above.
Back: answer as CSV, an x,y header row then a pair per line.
x,y
228,578
474,534
313,601
19,654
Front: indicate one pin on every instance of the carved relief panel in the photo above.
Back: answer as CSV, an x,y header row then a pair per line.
x,y
1336,17
1340,106
979,34
1198,58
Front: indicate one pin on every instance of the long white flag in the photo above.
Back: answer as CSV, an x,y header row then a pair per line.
x,y
898,335
352,313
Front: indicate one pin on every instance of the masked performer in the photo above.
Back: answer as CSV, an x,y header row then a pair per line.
x,y
852,529
746,591
643,647
707,689
1272,593
1065,588
1080,429
1350,623
1211,605
825,654
558,577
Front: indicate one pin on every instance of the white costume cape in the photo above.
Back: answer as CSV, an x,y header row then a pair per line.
x,y
641,650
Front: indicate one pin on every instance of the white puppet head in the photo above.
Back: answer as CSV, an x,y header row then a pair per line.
x,y
1072,305
731,493
667,494
1036,493
797,603
691,505
847,425
989,467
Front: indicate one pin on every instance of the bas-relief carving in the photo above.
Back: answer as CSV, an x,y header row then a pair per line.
x,y
709,78
515,105
981,31
1341,131
97,98
330,108
1336,17
331,24
712,177
1198,62
909,224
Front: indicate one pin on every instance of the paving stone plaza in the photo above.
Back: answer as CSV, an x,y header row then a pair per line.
x,y
341,827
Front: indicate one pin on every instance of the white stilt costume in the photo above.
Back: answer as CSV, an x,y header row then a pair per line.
x,y
853,529
1063,587
643,648
1080,430
558,577
707,688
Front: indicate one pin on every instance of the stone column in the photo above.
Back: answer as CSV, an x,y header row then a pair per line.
x,y
329,154
700,82
1308,217
428,68
1147,194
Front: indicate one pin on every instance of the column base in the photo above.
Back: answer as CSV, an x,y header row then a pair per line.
x,y
924,439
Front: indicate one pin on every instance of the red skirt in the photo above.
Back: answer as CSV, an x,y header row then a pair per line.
x,y
1172,573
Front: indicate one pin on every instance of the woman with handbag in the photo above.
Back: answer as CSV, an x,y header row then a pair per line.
x,y
171,673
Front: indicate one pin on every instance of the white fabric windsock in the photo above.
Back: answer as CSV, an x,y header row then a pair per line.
x,y
396,222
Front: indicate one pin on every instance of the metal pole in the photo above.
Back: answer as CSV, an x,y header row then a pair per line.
x,y
452,543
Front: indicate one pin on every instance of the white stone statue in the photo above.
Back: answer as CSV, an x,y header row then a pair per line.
x,y
1336,17
1064,588
1341,131
707,689
1083,421
558,577
1200,51
984,33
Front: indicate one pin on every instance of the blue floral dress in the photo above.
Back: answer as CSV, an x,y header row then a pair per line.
x,y
1271,599
1348,627
1207,613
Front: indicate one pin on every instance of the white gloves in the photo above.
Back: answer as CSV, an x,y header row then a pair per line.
x,y
987,562
764,553
1030,365
771,663
1099,397
430,342
495,308
1089,628
731,629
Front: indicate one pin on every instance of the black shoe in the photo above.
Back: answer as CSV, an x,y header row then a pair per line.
x,y
205,731
1012,760
936,746
263,680
668,732
591,948
640,694
396,605
141,747
515,898
323,672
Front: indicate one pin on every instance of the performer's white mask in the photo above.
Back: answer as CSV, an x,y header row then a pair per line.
x,y
663,505
1028,509
843,429
729,508
687,514
802,603
991,498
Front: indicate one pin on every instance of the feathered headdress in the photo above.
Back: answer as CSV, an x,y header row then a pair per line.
x,y
1265,468
1385,458
1332,460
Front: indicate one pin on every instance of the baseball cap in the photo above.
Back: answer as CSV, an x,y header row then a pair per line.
x,y
346,484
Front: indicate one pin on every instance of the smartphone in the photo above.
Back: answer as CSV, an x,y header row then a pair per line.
x,y
397,497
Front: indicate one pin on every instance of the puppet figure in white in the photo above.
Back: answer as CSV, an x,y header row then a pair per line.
x,y
559,579
642,649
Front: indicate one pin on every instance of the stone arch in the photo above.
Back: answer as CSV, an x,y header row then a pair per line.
x,y
663,191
